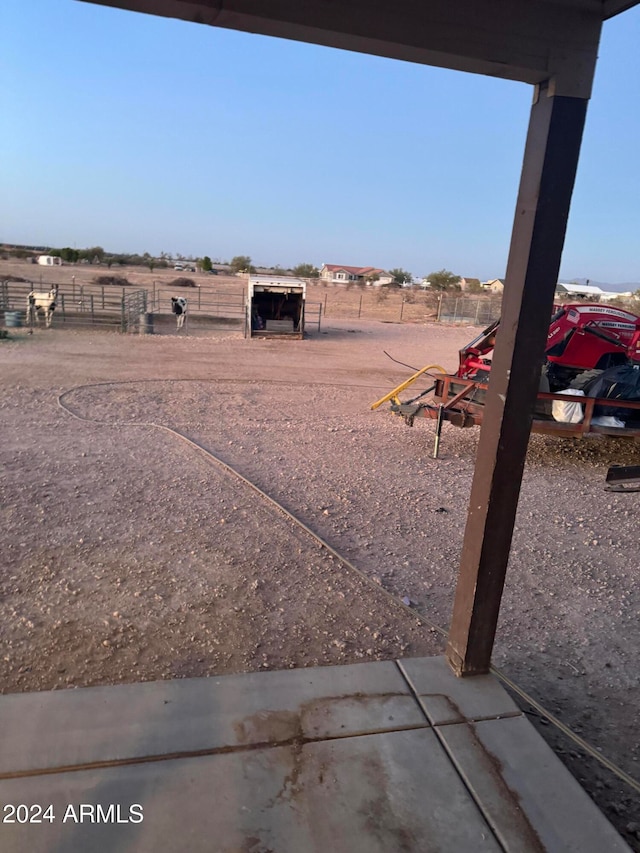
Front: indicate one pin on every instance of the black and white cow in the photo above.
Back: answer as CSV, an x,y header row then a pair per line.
x,y
179,308
44,301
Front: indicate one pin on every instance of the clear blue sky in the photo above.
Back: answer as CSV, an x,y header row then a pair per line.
x,y
148,134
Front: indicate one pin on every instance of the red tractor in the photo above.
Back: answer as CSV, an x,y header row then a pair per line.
x,y
584,340
592,349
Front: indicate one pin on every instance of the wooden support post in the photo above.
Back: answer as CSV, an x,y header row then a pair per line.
x,y
548,173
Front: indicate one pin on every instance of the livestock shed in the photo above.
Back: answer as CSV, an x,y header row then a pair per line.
x,y
275,306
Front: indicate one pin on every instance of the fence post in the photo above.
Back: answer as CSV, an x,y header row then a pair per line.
x,y
439,307
325,305
92,317
122,321
477,310
455,310
64,316
360,307
401,307
103,297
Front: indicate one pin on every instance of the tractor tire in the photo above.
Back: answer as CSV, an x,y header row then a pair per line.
x,y
581,381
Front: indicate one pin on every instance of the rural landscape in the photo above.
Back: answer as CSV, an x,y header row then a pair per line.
x,y
134,552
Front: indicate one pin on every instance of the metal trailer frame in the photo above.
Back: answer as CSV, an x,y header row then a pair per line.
x,y
462,403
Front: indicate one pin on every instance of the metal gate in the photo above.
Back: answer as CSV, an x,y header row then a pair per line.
x,y
134,310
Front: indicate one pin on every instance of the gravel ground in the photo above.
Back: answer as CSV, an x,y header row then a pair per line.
x,y
129,555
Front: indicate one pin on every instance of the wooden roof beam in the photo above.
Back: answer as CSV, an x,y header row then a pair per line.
x,y
531,41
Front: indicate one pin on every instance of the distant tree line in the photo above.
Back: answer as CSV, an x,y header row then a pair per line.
x,y
97,255
243,263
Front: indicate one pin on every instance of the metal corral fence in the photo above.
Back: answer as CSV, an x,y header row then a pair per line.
x,y
478,311
312,315
126,309
211,309
219,309
117,308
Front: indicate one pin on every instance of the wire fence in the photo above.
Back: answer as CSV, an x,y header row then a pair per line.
x,y
409,305
476,311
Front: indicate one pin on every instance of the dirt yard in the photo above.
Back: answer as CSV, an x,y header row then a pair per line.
x,y
129,555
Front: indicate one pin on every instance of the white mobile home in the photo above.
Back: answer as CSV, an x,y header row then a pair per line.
x,y
49,261
275,306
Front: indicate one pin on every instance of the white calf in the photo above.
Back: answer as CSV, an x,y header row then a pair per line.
x,y
179,308
44,301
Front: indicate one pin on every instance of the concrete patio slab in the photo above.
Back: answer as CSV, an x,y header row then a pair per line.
x,y
338,759
560,811
58,729
447,699
368,794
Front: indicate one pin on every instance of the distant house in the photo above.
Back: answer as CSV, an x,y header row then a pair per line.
x,y
336,274
49,261
494,285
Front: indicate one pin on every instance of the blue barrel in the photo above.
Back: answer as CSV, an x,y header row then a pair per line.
x,y
12,319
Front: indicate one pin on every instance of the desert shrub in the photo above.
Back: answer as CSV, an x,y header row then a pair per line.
x,y
183,282
116,280
13,278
